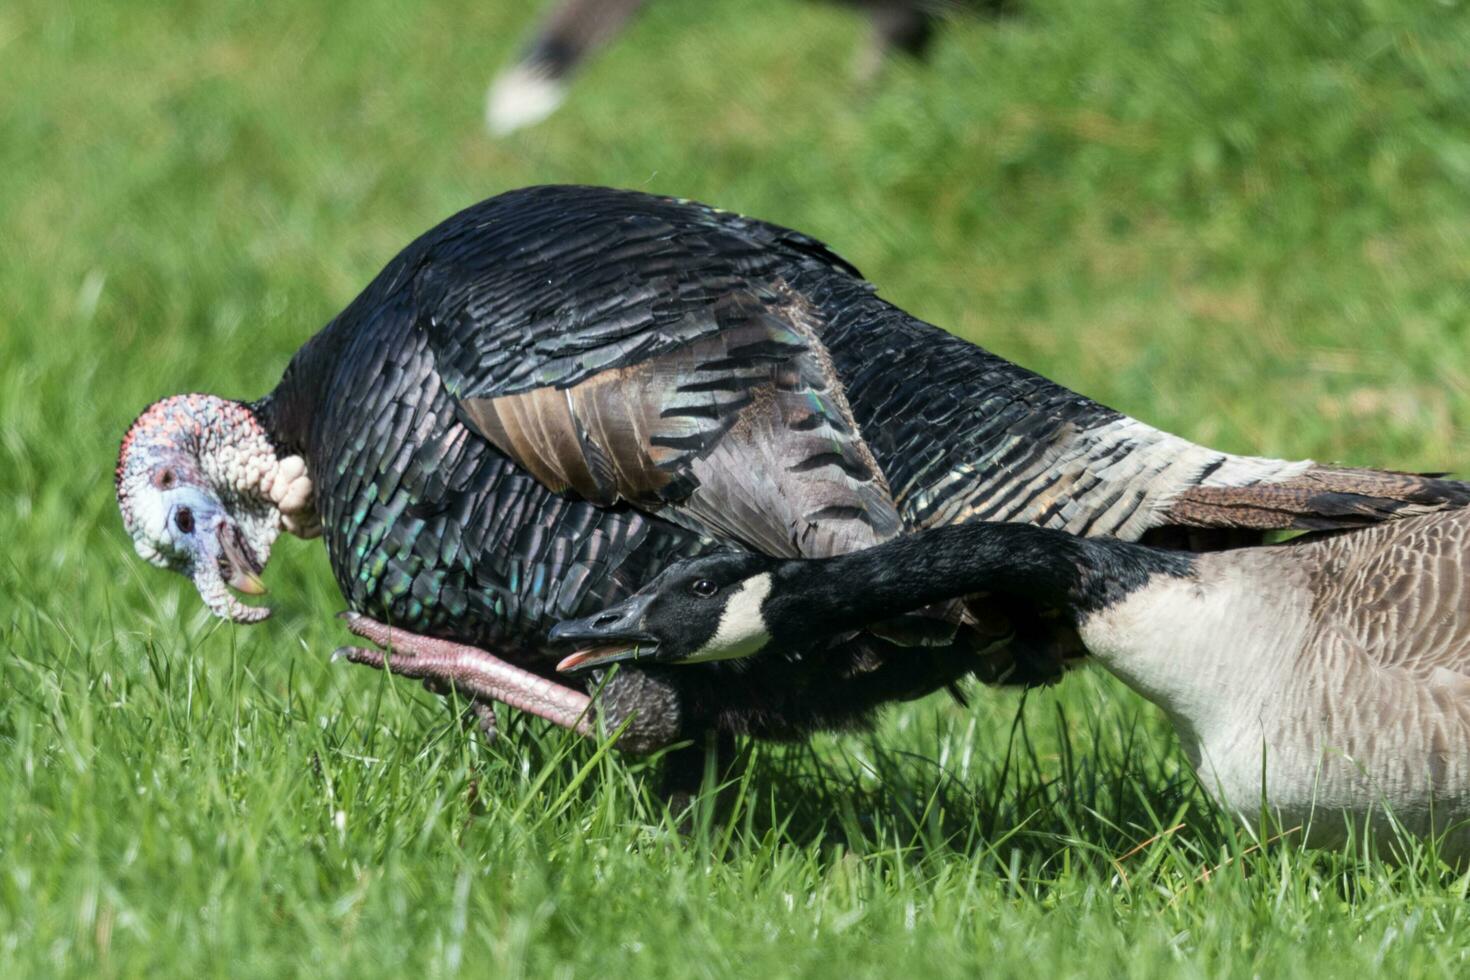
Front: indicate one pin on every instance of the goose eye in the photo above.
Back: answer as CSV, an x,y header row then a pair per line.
x,y
184,520
703,588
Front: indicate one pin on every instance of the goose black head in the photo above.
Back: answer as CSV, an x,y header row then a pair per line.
x,y
710,608
203,493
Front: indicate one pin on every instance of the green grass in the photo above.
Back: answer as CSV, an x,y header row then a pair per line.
x,y
1243,222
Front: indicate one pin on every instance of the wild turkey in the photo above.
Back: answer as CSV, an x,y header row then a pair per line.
x,y
574,30
556,393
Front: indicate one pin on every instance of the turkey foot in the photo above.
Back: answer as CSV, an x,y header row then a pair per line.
x,y
474,672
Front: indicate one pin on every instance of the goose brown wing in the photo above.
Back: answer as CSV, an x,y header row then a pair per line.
x,y
1318,498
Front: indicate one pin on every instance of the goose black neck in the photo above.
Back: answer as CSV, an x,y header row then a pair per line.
x,y
1050,568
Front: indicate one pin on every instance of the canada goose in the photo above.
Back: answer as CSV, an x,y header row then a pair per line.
x,y
573,31
1325,677
553,395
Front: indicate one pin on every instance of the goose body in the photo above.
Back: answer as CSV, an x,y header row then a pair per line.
x,y
1324,678
1327,679
548,398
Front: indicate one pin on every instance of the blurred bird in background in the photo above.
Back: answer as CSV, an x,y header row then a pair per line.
x,y
574,30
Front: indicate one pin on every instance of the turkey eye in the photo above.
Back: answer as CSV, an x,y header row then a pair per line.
x,y
703,588
184,520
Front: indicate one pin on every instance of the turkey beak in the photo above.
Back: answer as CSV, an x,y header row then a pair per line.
x,y
238,566
225,562
614,635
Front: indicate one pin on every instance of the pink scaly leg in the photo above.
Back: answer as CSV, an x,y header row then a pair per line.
x,y
475,672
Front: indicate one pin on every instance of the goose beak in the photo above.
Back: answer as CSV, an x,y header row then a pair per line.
x,y
614,635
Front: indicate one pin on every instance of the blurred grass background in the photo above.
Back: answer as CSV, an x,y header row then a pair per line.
x,y
1245,222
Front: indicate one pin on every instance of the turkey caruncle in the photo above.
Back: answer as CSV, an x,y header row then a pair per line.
x,y
551,396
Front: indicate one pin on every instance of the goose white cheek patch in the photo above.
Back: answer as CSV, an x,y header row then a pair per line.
x,y
742,630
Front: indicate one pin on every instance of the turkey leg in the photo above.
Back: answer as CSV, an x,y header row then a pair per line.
x,y
474,672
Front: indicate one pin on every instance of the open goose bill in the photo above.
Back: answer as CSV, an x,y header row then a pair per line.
x,y
614,635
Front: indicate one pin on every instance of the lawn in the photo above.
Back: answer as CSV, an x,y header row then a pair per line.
x,y
1245,222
